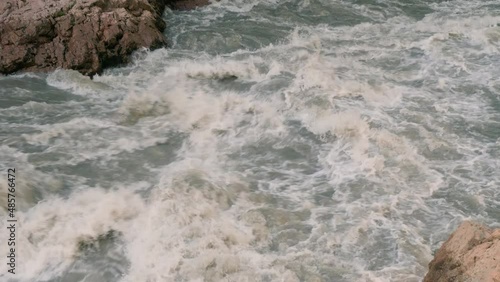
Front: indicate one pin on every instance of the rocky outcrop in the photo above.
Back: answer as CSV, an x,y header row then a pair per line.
x,y
84,35
472,253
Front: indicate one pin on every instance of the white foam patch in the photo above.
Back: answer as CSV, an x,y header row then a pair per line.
x,y
480,30
28,75
50,232
29,183
88,138
180,102
79,84
191,233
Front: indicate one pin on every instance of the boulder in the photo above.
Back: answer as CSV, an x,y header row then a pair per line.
x,y
472,253
84,35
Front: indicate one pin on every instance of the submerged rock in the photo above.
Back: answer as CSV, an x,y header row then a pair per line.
x,y
84,35
186,4
472,253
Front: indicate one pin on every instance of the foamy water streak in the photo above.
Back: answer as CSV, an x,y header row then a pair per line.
x,y
343,146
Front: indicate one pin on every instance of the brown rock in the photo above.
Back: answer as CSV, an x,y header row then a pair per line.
x,y
85,35
472,253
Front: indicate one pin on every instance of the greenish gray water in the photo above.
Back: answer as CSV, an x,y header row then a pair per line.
x,y
274,141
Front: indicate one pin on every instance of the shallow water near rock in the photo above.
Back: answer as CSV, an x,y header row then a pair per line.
x,y
274,141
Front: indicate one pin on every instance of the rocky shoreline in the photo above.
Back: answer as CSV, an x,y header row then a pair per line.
x,y
84,35
471,253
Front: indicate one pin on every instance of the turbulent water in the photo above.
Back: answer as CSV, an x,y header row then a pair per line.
x,y
311,140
